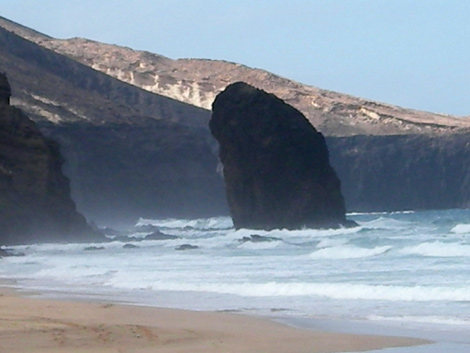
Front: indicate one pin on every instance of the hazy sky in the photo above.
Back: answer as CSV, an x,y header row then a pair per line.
x,y
413,53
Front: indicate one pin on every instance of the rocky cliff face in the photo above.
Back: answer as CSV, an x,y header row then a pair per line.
x,y
73,102
54,88
128,152
154,170
407,172
276,166
198,81
35,203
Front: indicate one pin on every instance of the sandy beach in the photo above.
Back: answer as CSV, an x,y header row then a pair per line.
x,y
36,325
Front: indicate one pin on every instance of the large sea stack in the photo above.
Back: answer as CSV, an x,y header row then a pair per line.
x,y
35,203
276,165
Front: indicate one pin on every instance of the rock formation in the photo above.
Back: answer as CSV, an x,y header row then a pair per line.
x,y
35,203
131,153
275,163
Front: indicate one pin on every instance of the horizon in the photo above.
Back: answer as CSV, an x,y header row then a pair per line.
x,y
400,53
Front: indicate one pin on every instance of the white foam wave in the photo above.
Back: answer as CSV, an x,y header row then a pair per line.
x,y
260,245
201,223
299,234
348,252
55,247
365,213
431,319
72,273
330,242
345,291
403,212
438,249
299,271
385,223
461,229
378,213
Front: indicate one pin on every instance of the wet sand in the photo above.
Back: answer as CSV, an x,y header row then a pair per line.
x,y
32,325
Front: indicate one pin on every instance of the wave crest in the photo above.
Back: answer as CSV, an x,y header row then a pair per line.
x,y
348,252
438,249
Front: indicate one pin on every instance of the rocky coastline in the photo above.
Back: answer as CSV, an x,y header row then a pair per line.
x,y
131,152
35,203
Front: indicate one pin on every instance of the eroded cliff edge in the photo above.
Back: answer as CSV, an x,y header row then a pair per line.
x,y
35,203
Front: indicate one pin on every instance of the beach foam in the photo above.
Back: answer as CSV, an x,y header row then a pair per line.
x,y
392,265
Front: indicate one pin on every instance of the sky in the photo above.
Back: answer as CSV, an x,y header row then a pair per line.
x,y
411,53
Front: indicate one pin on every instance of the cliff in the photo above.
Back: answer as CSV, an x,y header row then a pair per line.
x,y
35,203
276,165
129,153
404,172
141,130
198,81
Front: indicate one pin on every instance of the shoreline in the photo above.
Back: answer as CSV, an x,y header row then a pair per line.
x,y
102,327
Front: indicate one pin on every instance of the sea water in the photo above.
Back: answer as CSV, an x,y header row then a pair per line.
x,y
404,269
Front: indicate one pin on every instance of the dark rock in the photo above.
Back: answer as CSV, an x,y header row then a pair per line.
x,y
9,253
147,228
160,236
114,232
5,90
125,239
187,247
129,246
156,235
255,238
35,202
94,248
276,165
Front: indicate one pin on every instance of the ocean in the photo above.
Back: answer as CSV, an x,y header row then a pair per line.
x,y
395,271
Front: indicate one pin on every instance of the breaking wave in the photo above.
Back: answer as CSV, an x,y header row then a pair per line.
x,y
438,249
461,229
390,261
348,252
346,291
201,223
